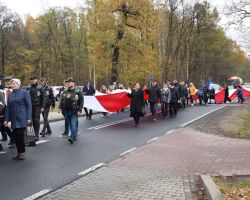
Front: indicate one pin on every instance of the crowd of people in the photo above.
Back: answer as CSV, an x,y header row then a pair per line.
x,y
22,107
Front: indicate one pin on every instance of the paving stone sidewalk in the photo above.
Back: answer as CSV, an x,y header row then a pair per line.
x,y
164,169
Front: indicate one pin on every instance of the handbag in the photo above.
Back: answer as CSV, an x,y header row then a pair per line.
x,y
30,136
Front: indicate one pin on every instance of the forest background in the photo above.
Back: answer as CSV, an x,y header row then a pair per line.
x,y
124,41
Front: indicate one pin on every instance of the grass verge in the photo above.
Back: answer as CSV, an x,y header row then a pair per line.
x,y
244,131
234,191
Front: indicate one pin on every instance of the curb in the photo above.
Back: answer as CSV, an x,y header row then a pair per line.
x,y
212,190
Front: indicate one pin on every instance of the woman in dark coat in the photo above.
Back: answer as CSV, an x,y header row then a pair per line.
x,y
19,114
137,103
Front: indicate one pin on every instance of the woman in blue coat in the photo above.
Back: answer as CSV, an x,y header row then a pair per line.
x,y
19,114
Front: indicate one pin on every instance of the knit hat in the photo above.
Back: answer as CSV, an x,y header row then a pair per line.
x,y
18,82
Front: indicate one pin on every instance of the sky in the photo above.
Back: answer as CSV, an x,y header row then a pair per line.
x,y
36,7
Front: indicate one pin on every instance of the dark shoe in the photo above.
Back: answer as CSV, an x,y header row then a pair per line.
x,y
16,157
70,140
49,132
65,134
12,146
42,134
37,138
19,157
89,117
154,120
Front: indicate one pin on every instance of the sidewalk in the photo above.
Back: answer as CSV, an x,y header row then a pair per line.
x,y
164,169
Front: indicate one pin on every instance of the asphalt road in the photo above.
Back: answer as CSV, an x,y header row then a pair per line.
x,y
55,162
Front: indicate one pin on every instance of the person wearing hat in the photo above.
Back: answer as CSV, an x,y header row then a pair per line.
x,y
154,96
6,130
19,114
38,101
50,101
72,101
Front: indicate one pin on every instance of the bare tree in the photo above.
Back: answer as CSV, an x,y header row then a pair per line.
x,y
239,10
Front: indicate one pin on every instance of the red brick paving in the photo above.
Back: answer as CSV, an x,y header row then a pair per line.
x,y
187,151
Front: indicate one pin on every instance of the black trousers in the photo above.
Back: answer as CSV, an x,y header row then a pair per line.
x,y
227,99
19,138
164,108
173,107
88,114
183,102
136,118
153,108
36,112
46,125
7,131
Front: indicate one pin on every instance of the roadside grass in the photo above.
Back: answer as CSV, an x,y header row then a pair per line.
x,y
244,131
234,191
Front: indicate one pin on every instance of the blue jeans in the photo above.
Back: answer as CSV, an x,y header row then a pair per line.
x,y
72,119
66,123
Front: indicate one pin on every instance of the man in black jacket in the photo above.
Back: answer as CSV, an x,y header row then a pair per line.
x,y
72,101
88,90
154,96
49,101
175,97
38,101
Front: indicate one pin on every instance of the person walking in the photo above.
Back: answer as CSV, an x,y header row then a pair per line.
x,y
154,96
7,130
173,103
62,109
192,93
88,90
182,92
49,102
165,99
201,96
19,114
72,101
226,97
137,103
38,101
212,95
240,95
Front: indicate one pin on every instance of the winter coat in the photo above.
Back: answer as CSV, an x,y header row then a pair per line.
x,y
212,92
192,90
175,96
154,93
37,96
49,96
165,95
19,109
72,100
182,91
88,91
239,92
137,101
